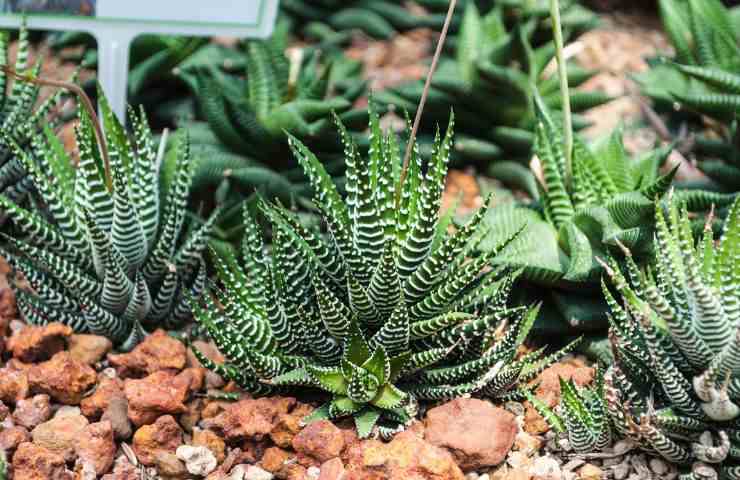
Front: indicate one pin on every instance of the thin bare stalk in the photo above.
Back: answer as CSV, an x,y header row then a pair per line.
x,y
86,103
423,101
564,91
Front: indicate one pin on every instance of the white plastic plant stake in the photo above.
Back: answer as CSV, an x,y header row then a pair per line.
x,y
115,24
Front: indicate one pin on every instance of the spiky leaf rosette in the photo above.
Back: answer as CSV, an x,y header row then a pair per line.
x,y
386,311
604,202
675,385
104,257
491,81
21,117
702,82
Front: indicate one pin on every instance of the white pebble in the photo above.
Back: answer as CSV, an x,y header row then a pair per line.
x,y
198,460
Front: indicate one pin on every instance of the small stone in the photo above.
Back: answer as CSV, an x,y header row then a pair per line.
x,y
289,424
621,471
474,431
13,385
33,462
519,460
4,411
123,469
545,468
208,439
249,418
321,440
158,351
658,466
168,465
527,443
117,415
313,473
164,435
63,378
33,411
97,446
89,349
35,344
60,435
11,437
159,393
192,415
275,459
332,469
591,472
96,404
253,472
198,460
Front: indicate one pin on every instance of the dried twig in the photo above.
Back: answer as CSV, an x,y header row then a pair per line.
x,y
422,102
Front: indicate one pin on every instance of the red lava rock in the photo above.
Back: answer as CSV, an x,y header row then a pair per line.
x,y
164,435
33,411
157,352
34,344
289,424
159,393
97,403
13,385
275,460
60,435
321,440
211,441
122,470
117,415
250,418
89,349
11,437
195,377
96,446
332,470
63,378
32,462
474,431
407,456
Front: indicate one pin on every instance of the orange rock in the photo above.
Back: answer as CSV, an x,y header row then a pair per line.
x,y
250,418
89,349
33,344
96,446
320,440
63,378
289,424
164,435
60,435
108,388
33,411
159,393
275,460
211,441
477,433
13,385
157,352
332,470
11,437
31,462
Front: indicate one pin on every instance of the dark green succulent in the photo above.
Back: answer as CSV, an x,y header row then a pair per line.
x,y
587,209
109,256
675,385
386,310
491,81
20,118
702,82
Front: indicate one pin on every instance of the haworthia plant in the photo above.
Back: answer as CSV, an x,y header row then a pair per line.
x,y
491,81
702,80
607,199
109,256
386,310
20,117
675,386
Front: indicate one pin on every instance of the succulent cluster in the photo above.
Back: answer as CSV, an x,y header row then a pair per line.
x,y
20,117
674,387
110,253
389,309
702,81
491,81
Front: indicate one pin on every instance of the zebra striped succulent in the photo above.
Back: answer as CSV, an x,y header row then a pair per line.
x,y
491,82
107,255
20,118
389,310
585,211
702,80
675,385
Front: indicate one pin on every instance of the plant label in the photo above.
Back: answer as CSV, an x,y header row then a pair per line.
x,y
115,23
